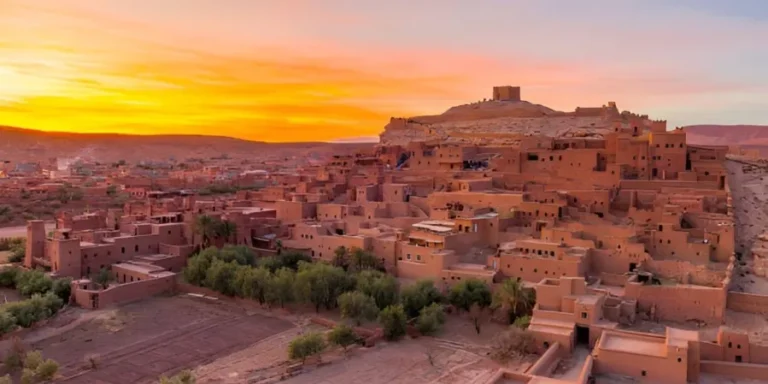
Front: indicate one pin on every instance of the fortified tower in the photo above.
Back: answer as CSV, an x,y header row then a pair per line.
x,y
35,242
506,93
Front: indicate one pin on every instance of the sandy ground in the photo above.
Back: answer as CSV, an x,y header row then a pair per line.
x,y
21,230
749,194
138,342
749,191
570,369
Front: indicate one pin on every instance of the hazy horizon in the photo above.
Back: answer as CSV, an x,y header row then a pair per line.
x,y
302,70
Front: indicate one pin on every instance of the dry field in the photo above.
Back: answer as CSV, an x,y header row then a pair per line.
x,y
138,342
457,355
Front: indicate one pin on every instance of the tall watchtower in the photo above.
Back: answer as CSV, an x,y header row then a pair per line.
x,y
506,93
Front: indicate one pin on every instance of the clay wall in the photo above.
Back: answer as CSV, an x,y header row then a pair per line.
x,y
124,293
748,302
679,302
735,370
686,272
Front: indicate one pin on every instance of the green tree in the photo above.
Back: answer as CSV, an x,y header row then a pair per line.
x,y
293,259
102,278
226,230
62,288
205,226
252,283
514,299
362,260
306,345
393,320
381,286
112,190
197,267
340,258
321,284
280,287
220,277
357,306
430,319
239,253
343,336
271,263
471,295
419,295
468,292
29,282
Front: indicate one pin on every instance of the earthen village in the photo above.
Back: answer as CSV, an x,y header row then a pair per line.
x,y
499,242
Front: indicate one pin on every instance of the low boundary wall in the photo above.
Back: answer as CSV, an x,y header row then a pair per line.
x,y
731,370
747,302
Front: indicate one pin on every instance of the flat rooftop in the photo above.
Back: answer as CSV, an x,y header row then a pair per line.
x,y
140,268
634,345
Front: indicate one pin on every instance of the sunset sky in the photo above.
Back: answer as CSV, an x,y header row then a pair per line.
x,y
300,70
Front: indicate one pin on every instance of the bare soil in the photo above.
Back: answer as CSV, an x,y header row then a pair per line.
x,y
139,342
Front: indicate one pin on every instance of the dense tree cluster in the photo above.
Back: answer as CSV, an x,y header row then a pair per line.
x,y
46,297
353,283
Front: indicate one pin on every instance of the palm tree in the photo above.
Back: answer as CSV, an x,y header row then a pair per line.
x,y
227,230
514,298
205,227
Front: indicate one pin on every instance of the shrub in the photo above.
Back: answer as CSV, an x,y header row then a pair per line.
x,y
6,379
393,321
8,276
30,282
7,322
183,377
62,288
513,342
306,345
343,336
15,355
33,360
522,322
28,376
47,370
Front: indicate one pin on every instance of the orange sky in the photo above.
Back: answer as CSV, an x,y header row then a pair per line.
x,y
300,70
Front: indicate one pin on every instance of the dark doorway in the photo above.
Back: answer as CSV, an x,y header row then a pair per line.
x,y
722,182
632,267
738,358
582,335
654,172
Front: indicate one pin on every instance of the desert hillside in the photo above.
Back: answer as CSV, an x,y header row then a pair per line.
x,y
745,135
496,122
23,144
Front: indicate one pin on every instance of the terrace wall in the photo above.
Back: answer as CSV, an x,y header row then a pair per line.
x,y
748,302
123,293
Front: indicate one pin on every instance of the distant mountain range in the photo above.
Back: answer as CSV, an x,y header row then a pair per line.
x,y
20,144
